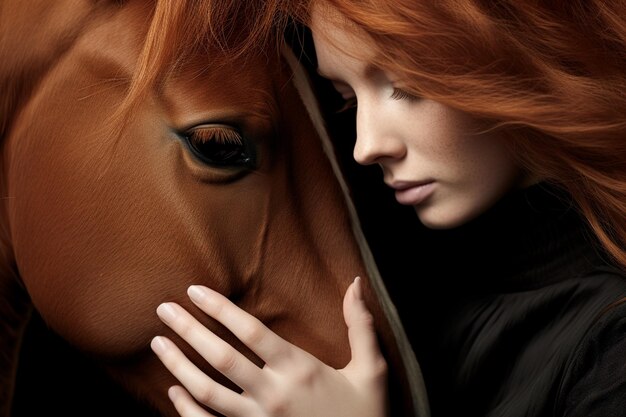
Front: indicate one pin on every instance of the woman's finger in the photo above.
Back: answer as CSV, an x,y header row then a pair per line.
x,y
185,404
270,347
366,353
219,354
202,387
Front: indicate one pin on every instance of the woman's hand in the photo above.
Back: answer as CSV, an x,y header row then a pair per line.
x,y
292,383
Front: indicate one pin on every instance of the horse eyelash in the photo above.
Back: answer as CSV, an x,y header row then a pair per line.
x,y
220,135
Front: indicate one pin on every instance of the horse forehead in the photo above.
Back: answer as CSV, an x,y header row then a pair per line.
x,y
248,87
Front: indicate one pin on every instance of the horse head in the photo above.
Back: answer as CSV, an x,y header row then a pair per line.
x,y
218,174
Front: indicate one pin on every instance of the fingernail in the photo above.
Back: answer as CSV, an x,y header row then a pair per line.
x,y
166,312
172,393
158,345
197,293
358,293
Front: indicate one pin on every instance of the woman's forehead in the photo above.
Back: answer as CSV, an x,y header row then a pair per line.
x,y
334,32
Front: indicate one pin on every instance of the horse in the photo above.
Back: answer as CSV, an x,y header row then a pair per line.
x,y
219,172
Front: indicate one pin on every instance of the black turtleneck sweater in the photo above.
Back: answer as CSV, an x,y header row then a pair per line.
x,y
524,316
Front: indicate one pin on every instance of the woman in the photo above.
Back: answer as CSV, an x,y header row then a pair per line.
x,y
504,125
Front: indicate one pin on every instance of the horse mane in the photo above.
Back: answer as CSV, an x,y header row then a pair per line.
x,y
179,28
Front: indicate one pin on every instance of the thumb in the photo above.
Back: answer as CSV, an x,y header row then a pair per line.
x,y
366,355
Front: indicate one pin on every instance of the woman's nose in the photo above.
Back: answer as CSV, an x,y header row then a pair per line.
x,y
377,138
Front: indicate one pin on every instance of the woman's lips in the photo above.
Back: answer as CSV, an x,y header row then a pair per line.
x,y
416,194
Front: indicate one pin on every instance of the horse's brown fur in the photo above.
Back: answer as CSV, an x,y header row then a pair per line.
x,y
98,230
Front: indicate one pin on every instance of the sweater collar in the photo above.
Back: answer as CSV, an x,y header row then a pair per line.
x,y
531,238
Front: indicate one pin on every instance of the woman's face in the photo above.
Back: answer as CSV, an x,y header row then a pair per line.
x,y
425,149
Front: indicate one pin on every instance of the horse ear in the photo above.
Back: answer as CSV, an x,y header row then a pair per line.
x,y
407,382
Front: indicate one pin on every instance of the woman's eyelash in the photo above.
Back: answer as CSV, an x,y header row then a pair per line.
x,y
399,94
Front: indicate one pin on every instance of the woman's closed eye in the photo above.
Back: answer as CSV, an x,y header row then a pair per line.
x,y
400,94
350,103
397,94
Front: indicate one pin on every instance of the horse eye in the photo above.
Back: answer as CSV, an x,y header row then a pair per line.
x,y
220,145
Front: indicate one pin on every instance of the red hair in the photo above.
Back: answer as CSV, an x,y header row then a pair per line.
x,y
550,76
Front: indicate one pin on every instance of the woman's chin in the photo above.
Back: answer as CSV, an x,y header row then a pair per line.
x,y
438,219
